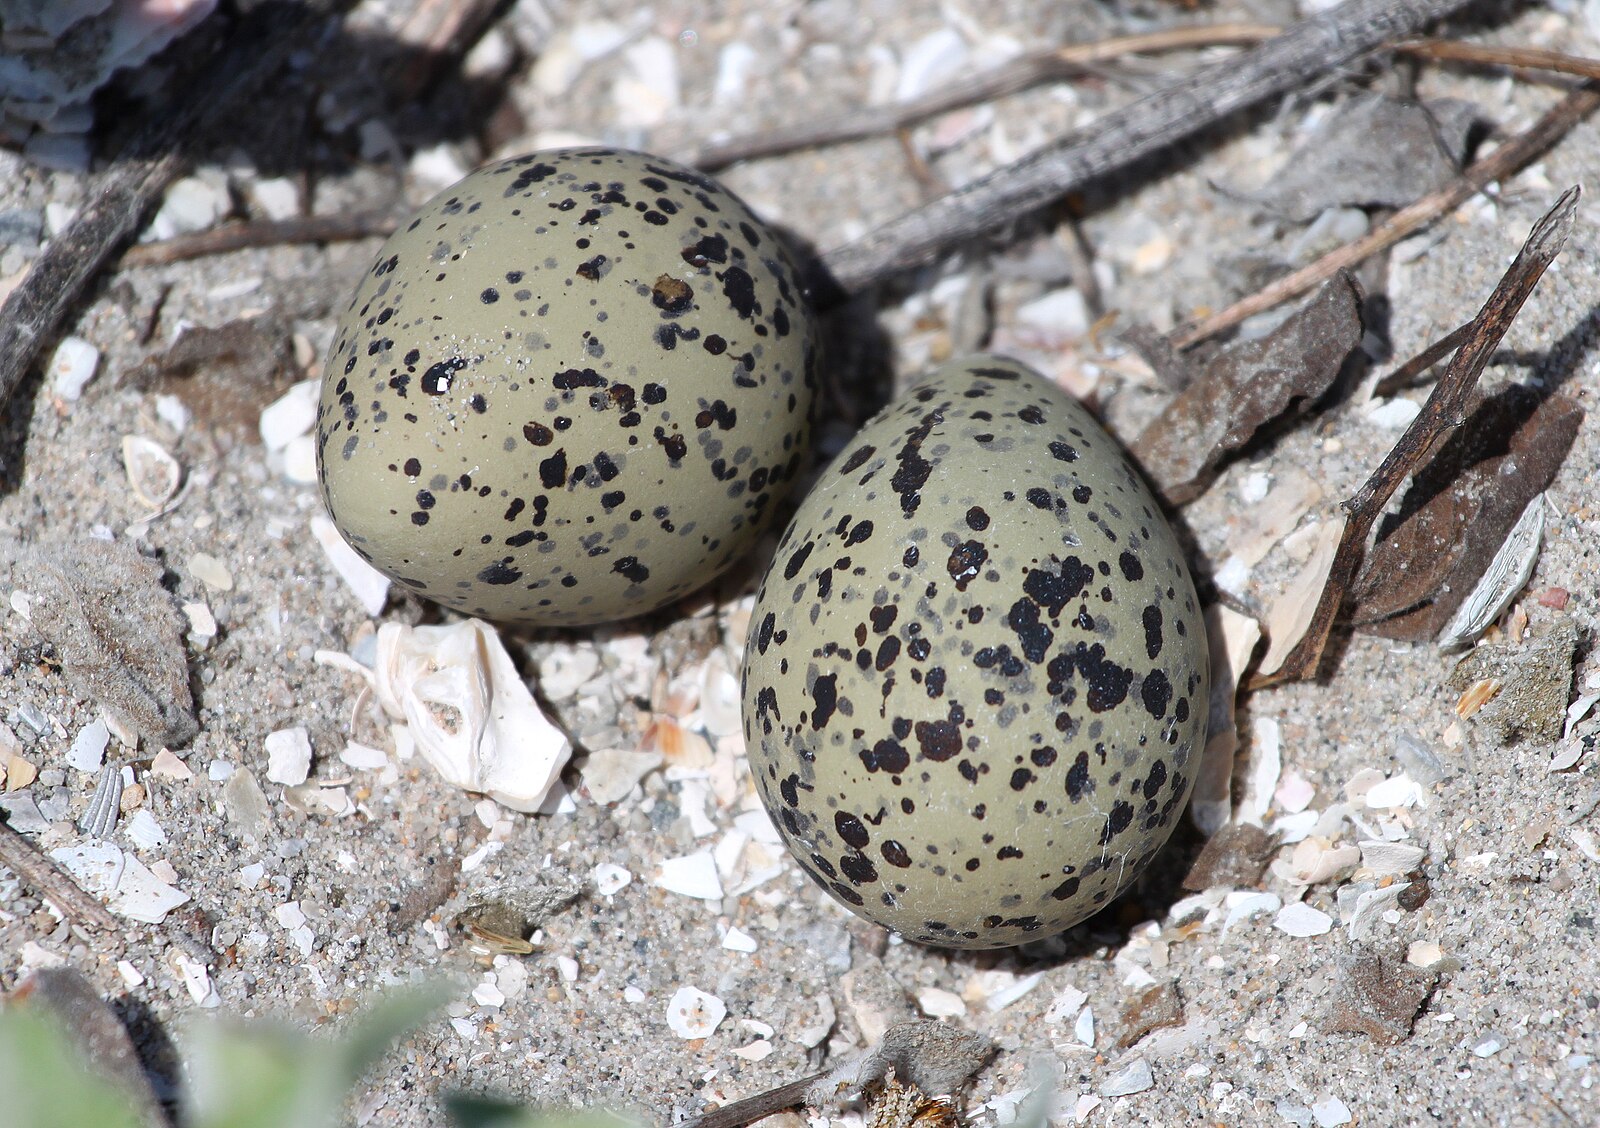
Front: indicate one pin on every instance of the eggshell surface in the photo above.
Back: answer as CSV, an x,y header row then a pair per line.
x,y
975,684
570,390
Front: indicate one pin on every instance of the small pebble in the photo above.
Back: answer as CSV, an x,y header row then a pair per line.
x,y
72,366
210,571
277,198
1489,1046
191,204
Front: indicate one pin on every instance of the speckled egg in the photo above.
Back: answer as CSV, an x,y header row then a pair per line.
x,y
570,390
976,679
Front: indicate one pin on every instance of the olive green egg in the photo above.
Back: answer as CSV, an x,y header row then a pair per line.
x,y
571,389
975,685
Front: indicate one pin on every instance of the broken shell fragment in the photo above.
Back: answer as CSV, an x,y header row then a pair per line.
x,y
471,714
153,473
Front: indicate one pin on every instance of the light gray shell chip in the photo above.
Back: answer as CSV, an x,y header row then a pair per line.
x,y
975,685
571,389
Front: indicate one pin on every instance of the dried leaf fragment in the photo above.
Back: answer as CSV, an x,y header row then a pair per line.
x,y
1459,510
1246,386
118,632
1378,997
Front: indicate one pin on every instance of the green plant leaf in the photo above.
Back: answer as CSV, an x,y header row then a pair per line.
x,y
45,1084
267,1075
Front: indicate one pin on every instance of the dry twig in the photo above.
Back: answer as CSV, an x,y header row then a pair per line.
x,y
1444,411
1019,74
22,857
1305,51
258,233
1504,161
1519,58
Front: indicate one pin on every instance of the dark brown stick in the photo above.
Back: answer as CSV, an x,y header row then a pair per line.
x,y
23,858
118,198
1520,58
258,233
1444,411
1503,162
1019,74
1118,139
1403,376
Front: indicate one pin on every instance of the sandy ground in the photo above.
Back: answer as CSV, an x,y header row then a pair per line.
x,y
1506,1036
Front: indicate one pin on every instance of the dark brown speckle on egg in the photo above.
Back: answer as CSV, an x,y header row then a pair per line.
x,y
610,347
982,727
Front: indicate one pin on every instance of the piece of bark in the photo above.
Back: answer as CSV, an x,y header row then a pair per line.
x,y
118,633
224,374
1459,509
1236,856
1373,151
1160,1006
1378,997
1246,386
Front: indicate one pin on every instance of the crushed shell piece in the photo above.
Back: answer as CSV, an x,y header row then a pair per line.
x,y
469,711
1301,919
153,473
691,1013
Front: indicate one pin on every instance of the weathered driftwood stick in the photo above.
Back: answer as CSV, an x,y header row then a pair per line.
x,y
1121,137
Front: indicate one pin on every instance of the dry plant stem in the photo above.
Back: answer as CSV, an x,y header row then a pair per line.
x,y
1524,58
1407,373
438,33
1305,51
1503,162
258,233
1445,410
23,858
118,198
759,1107
1019,74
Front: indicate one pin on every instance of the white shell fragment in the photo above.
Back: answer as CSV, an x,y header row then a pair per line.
x,y
1135,1077
152,472
132,890
472,717
691,1013
610,879
694,875
1390,857
371,587
146,831
1301,919
89,747
1506,575
289,756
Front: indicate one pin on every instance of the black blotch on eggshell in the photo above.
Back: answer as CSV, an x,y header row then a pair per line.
x,y
976,683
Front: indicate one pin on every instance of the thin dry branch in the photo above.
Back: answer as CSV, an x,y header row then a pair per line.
x,y
1503,162
1118,139
1520,58
19,855
738,1114
1019,74
1444,411
258,233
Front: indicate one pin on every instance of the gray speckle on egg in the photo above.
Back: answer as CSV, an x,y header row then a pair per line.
x,y
571,389
976,679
